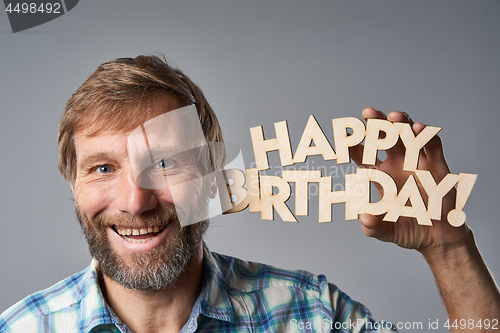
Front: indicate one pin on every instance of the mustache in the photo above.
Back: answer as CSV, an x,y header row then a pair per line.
x,y
157,217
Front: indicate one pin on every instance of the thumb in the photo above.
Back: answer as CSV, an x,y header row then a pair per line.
x,y
373,226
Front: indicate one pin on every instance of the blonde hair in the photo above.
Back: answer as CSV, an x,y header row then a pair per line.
x,y
122,94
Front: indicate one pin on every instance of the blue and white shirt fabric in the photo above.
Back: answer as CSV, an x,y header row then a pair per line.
x,y
236,296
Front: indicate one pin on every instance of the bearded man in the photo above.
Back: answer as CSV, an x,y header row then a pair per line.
x,y
138,144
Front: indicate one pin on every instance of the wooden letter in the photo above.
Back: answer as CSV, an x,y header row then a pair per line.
x,y
436,192
270,200
253,195
417,209
302,179
280,143
356,194
372,141
313,132
327,197
342,140
236,188
363,177
414,144
456,217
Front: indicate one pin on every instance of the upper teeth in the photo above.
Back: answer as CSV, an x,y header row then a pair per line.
x,y
136,232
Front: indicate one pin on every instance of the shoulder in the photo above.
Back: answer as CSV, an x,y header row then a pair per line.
x,y
274,295
60,297
285,295
248,276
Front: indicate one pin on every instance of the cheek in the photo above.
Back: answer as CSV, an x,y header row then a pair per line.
x,y
91,199
188,195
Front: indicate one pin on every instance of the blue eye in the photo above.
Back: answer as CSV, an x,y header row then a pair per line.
x,y
104,169
163,164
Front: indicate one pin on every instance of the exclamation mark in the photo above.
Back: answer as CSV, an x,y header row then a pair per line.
x,y
466,181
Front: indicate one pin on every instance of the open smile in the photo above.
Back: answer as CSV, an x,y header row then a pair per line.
x,y
139,235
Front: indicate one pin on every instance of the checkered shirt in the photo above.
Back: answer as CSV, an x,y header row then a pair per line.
x,y
236,296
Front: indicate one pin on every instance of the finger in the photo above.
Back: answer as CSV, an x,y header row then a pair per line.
x,y
373,226
356,152
371,113
432,155
398,151
433,148
417,128
399,117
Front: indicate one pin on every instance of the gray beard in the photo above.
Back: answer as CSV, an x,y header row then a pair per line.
x,y
150,271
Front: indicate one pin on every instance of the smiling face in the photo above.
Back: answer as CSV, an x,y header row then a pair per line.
x,y
136,230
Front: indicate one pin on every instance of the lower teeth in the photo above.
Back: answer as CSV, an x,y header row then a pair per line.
x,y
132,240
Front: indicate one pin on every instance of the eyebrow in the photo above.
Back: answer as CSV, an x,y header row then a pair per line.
x,y
94,157
155,151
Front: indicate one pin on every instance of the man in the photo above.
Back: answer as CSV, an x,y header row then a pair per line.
x,y
141,177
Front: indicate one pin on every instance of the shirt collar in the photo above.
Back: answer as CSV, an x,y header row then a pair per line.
x,y
93,308
215,302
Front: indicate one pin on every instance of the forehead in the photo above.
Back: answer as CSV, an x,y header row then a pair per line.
x,y
104,145
121,117
170,133
175,131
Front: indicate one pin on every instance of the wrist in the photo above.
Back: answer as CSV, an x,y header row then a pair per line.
x,y
463,279
444,254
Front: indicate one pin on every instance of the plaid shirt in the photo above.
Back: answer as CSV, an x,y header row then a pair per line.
x,y
237,296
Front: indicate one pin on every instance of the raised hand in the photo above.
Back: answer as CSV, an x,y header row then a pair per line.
x,y
466,286
406,232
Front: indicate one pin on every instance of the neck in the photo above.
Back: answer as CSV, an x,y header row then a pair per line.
x,y
159,311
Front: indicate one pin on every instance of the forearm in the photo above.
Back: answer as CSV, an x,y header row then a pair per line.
x,y
466,285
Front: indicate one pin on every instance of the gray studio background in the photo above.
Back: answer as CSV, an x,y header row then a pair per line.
x,y
260,62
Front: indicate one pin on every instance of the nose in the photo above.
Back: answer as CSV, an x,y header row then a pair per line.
x,y
133,199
